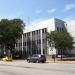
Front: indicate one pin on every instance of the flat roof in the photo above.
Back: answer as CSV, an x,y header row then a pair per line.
x,y
39,25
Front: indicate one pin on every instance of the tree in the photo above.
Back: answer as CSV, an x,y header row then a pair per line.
x,y
10,31
60,40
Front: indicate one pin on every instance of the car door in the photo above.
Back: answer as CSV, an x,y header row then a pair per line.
x,y
34,58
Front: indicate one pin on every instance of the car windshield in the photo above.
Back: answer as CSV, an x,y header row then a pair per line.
x,y
35,55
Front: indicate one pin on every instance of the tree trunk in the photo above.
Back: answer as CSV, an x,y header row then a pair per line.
x,y
61,54
4,49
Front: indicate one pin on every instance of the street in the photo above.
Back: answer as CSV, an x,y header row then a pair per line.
x,y
24,68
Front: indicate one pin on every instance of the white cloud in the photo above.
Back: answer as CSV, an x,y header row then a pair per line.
x,y
69,6
68,18
51,10
38,11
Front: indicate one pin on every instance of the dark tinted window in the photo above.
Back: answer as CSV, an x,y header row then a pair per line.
x,y
35,55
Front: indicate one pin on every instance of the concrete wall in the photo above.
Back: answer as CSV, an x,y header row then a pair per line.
x,y
70,25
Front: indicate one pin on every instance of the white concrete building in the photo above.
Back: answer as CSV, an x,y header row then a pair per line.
x,y
70,26
34,38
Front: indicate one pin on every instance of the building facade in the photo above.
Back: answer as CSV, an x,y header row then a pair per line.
x,y
34,39
70,26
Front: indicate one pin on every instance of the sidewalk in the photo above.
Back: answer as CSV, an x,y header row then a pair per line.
x,y
68,62
23,62
64,60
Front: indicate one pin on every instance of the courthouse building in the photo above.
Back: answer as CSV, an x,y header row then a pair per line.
x,y
34,39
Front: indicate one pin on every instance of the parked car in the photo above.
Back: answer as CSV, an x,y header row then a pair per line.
x,y
37,58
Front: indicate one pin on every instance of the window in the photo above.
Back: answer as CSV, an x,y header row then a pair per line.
x,y
45,30
57,28
62,29
37,32
33,33
43,40
24,43
24,35
39,41
42,30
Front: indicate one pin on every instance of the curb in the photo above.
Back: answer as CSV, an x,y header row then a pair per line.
x,y
68,62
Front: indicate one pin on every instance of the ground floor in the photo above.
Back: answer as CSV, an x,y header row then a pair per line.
x,y
47,52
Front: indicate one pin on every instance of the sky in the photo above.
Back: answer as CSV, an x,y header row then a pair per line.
x,y
36,10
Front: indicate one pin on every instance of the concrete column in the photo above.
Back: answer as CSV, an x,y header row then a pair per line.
x,y
22,44
47,48
41,42
18,46
26,46
31,42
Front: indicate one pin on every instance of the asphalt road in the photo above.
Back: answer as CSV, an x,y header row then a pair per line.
x,y
24,68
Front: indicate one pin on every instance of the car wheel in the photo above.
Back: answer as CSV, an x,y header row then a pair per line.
x,y
43,61
37,61
28,61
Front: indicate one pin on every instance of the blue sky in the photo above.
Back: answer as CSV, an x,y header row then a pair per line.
x,y
35,10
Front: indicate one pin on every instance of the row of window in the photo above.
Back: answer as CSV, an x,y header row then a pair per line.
x,y
31,42
60,29
37,32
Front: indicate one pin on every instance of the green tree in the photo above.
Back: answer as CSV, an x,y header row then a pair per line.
x,y
10,31
60,40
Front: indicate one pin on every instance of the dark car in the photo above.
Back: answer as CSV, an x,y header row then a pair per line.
x,y
37,58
